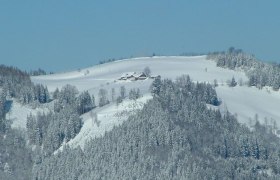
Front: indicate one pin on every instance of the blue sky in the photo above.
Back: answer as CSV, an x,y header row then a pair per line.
x,y
70,34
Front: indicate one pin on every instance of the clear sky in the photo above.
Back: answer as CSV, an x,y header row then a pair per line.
x,y
59,35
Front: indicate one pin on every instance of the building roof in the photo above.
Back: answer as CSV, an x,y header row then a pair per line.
x,y
128,74
131,75
140,75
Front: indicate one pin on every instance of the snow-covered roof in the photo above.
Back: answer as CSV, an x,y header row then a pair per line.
x,y
133,74
139,74
128,74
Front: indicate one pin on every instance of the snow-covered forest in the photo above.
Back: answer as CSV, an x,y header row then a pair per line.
x,y
260,74
168,125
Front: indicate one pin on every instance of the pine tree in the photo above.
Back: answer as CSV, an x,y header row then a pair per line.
x,y
30,128
47,95
256,150
156,85
67,95
138,93
132,94
122,92
7,169
232,83
93,101
2,111
147,71
113,94
84,102
56,93
103,97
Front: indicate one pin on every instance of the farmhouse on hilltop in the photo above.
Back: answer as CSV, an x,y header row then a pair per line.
x,y
133,76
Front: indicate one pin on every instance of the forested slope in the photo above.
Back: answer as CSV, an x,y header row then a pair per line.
x,y
175,136
259,73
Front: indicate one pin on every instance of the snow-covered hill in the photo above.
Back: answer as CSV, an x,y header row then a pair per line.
x,y
197,67
244,101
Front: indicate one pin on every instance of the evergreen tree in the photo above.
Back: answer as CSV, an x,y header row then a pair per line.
x,y
103,97
68,95
156,85
147,71
122,92
232,83
93,101
56,93
113,94
134,94
7,169
85,103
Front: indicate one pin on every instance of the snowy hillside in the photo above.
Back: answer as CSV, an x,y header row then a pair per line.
x,y
245,101
100,120
197,67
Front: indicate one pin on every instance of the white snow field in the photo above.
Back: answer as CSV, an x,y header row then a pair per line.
x,y
243,101
248,102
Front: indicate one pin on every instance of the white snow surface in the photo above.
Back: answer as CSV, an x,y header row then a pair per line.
x,y
243,101
247,102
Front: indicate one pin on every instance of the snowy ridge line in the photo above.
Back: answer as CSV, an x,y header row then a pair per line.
x,y
120,60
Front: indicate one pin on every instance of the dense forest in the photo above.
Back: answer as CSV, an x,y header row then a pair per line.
x,y
50,130
260,74
16,157
17,84
175,136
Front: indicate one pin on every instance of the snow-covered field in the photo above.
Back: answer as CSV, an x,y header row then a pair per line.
x,y
245,101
